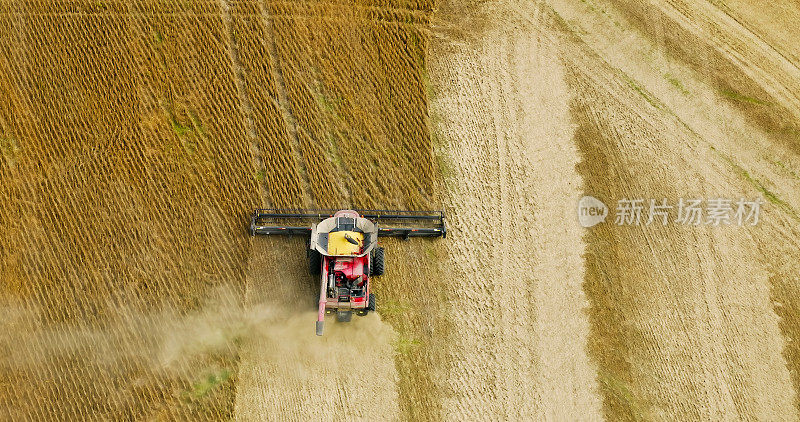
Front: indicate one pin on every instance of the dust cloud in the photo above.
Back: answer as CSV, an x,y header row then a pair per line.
x,y
170,344
349,372
165,339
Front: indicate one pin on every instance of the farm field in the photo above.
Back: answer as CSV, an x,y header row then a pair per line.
x,y
136,137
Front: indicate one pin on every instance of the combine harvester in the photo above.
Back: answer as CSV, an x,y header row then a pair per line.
x,y
343,249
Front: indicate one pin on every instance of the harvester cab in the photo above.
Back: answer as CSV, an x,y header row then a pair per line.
x,y
343,250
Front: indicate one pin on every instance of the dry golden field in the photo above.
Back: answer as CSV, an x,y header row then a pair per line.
x,y
136,137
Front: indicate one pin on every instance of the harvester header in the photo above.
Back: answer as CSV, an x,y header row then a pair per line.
x,y
285,221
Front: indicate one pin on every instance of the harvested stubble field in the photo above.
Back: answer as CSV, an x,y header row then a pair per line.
x,y
136,137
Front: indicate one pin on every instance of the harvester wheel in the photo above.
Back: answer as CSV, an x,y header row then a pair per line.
x,y
314,262
378,263
372,303
343,316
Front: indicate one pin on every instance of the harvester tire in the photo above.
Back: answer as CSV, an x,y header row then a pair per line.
x,y
344,316
314,262
378,263
373,303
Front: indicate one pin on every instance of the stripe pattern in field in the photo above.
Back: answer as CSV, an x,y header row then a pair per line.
x,y
137,136
519,345
117,194
349,82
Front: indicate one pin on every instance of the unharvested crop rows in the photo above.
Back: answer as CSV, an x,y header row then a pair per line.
x,y
121,195
126,175
356,88
281,174
353,82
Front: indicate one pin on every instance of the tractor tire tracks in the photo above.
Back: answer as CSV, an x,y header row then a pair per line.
x,y
245,104
283,101
287,372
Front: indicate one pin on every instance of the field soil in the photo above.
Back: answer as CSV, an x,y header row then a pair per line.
x,y
287,370
682,321
501,107
137,136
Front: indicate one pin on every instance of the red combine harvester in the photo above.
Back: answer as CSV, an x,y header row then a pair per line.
x,y
343,249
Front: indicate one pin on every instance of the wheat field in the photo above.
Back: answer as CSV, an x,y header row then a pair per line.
x,y
137,136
